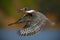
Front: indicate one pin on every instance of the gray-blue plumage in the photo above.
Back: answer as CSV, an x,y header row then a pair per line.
x,y
34,24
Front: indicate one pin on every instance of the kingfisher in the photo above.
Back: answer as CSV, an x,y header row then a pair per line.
x,y
35,21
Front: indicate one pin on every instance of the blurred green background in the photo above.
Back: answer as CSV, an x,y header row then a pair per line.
x,y
9,7
42,5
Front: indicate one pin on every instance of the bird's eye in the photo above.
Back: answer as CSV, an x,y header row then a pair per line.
x,y
25,9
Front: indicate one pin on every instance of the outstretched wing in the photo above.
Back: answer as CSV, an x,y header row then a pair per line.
x,y
31,30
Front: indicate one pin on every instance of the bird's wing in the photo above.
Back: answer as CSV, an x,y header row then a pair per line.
x,y
32,29
24,19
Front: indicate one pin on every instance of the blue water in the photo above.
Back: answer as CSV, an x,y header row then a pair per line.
x,y
42,35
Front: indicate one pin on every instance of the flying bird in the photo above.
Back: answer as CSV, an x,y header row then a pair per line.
x,y
34,23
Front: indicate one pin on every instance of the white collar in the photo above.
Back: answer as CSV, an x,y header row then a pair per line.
x,y
30,11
